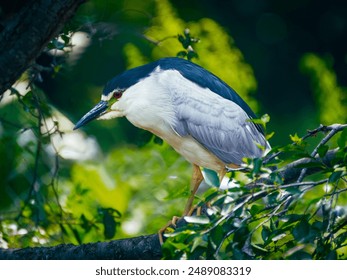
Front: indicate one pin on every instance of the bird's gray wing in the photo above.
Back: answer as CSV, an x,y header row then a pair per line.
x,y
218,124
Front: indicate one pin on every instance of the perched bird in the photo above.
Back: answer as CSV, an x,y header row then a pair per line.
x,y
191,109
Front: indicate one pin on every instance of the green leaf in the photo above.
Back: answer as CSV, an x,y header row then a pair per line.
x,y
272,198
191,55
86,224
258,247
265,118
182,54
257,164
341,239
216,236
27,100
291,218
241,234
293,190
265,233
342,140
255,209
295,138
301,230
211,177
262,121
270,135
176,245
272,225
335,176
198,242
211,193
76,234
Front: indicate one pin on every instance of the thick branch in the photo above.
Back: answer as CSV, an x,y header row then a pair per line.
x,y
139,248
24,35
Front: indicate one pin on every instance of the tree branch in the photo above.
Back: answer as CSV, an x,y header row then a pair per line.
x,y
139,248
24,35
333,129
293,170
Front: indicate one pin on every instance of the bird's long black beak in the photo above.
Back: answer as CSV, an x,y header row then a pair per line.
x,y
92,114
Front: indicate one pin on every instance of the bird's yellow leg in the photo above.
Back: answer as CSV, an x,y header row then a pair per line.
x,y
188,210
196,180
221,175
195,183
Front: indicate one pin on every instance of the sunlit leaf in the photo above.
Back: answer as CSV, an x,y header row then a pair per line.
x,y
335,176
197,219
295,138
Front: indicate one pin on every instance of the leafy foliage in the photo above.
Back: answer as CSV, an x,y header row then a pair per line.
x,y
268,213
54,191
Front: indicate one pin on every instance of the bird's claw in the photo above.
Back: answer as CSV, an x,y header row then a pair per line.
x,y
172,224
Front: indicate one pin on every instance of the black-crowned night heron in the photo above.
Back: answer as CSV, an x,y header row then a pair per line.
x,y
194,111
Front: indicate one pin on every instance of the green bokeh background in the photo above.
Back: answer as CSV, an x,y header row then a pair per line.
x,y
285,58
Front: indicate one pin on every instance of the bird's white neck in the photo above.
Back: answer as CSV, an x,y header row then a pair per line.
x,y
147,105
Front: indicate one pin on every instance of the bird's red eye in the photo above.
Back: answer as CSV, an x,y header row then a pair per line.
x,y
118,94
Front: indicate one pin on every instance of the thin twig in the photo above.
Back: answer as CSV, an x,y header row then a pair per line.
x,y
297,184
334,128
158,42
37,158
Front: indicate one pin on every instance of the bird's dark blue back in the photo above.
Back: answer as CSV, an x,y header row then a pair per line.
x,y
189,70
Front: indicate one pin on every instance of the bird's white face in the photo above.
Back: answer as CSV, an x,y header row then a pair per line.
x,y
107,108
113,109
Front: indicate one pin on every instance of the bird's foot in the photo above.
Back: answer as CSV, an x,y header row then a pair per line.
x,y
171,224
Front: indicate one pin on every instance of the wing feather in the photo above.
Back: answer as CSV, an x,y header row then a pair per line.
x,y
218,124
